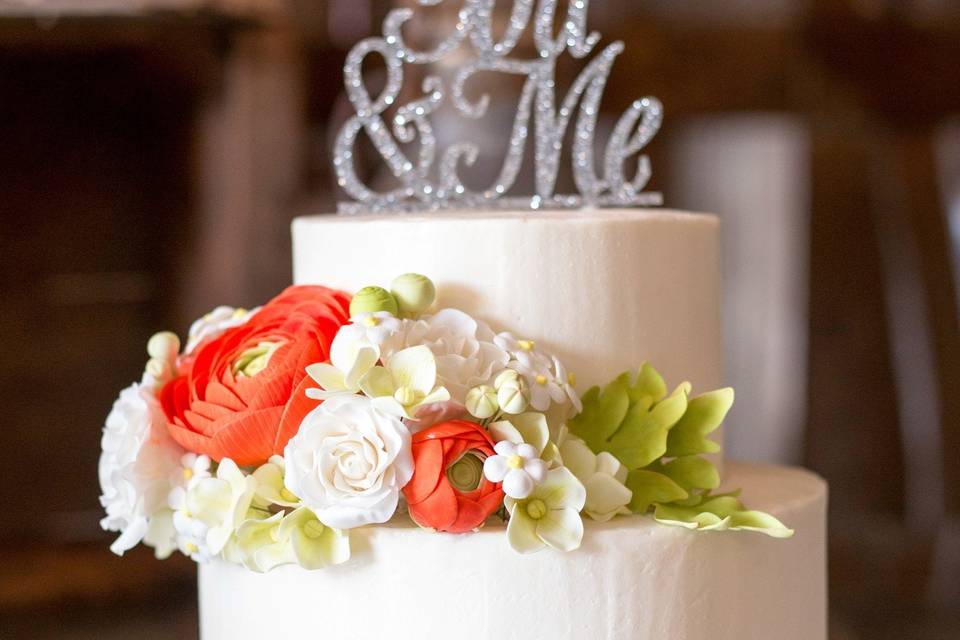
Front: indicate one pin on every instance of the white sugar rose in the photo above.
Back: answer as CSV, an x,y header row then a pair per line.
x,y
463,347
136,466
348,462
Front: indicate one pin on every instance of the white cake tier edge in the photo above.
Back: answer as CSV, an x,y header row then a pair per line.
x,y
631,580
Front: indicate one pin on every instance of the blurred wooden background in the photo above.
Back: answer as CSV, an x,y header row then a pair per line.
x,y
154,152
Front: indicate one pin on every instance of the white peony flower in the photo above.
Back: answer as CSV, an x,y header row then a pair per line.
x,y
348,462
603,477
215,323
517,466
464,349
210,510
136,465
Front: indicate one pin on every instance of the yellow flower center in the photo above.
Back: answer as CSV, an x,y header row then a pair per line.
x,y
526,345
536,508
371,321
191,547
187,474
572,379
254,360
313,529
515,462
541,379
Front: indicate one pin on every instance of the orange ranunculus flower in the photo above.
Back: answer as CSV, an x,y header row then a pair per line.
x,y
241,395
448,491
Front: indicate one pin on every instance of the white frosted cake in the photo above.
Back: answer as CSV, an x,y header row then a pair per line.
x,y
459,425
611,289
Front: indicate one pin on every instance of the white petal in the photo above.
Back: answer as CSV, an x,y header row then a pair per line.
x,y
367,356
527,451
562,529
605,497
522,533
609,465
327,376
518,484
533,428
505,448
578,457
536,469
562,490
415,368
504,430
495,468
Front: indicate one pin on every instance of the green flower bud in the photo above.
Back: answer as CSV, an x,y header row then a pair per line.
x,y
482,402
513,396
372,300
164,346
414,293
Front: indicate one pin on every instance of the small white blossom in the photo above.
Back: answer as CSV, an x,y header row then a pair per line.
x,y
517,466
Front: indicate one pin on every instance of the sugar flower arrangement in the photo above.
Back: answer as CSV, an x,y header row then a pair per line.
x,y
275,432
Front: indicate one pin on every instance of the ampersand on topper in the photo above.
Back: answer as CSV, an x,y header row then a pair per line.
x,y
427,183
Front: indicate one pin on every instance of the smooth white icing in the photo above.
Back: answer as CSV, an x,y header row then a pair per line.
x,y
632,580
604,289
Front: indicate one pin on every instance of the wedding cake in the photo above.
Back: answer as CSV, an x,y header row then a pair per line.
x,y
474,414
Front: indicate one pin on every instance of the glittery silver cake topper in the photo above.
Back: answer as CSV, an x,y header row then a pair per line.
x,y
429,184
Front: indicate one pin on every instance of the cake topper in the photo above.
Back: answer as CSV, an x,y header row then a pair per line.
x,y
427,183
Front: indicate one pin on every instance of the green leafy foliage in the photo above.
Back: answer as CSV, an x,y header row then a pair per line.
x,y
661,439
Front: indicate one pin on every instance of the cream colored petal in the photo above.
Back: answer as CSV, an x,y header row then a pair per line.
x,y
561,529
366,358
327,376
562,490
605,497
578,457
522,533
378,382
415,368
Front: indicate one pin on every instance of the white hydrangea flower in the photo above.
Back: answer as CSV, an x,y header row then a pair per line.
x,y
407,382
352,356
376,327
297,537
544,373
137,460
209,511
550,516
542,384
566,382
348,462
517,466
215,323
603,477
463,347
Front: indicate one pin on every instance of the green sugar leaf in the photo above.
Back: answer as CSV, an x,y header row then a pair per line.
x,y
650,487
631,420
692,472
704,415
721,513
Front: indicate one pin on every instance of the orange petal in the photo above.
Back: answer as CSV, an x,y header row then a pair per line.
x,y
427,470
297,407
248,439
438,511
221,395
189,440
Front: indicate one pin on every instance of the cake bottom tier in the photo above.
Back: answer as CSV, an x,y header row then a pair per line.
x,y
632,579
